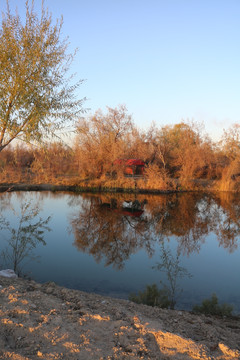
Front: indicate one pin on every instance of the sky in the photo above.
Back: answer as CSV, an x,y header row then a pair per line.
x,y
167,60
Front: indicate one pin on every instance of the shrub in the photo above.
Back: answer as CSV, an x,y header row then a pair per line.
x,y
152,296
212,307
156,177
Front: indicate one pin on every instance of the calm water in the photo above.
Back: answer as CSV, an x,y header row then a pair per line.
x,y
115,245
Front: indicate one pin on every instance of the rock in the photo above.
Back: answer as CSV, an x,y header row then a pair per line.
x,y
9,273
49,290
33,306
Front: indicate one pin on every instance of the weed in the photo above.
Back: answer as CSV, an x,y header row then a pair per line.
x,y
212,307
152,296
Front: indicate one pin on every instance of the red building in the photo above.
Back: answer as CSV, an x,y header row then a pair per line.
x,y
131,167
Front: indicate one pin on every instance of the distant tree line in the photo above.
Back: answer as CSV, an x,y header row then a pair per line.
x,y
175,155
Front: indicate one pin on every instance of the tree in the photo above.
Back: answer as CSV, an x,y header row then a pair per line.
x,y
37,95
231,142
101,139
187,152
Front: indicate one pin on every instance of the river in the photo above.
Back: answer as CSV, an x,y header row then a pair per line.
x,y
115,245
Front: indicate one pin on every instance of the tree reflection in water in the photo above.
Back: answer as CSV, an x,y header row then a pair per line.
x,y
174,271
106,229
22,237
226,214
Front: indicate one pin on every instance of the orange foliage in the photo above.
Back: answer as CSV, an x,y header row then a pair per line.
x,y
179,156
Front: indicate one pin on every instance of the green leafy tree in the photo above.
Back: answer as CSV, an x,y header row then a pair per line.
x,y
37,94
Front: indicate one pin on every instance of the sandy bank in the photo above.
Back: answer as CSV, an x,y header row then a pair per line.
x,y
50,322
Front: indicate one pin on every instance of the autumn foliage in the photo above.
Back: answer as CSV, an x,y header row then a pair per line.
x,y
179,156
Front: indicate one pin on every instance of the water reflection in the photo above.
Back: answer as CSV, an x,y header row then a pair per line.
x,y
170,264
113,228
22,235
227,220
176,234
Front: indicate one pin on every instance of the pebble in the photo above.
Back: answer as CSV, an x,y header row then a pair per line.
x,y
49,290
33,306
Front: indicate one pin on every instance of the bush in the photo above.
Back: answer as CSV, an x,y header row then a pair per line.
x,y
212,307
152,296
156,177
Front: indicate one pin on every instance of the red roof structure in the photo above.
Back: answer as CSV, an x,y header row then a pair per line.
x,y
132,167
129,162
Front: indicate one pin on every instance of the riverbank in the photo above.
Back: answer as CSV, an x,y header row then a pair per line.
x,y
128,187
45,321
78,189
141,185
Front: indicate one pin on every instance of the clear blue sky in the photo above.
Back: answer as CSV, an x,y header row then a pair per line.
x,y
166,60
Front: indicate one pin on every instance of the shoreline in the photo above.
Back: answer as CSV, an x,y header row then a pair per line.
x,y
8,187
78,189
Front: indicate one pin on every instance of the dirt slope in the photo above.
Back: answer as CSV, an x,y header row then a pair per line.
x,y
50,322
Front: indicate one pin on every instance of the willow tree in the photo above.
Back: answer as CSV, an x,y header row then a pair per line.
x,y
37,93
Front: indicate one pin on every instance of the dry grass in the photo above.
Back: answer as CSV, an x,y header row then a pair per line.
x,y
151,182
155,179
